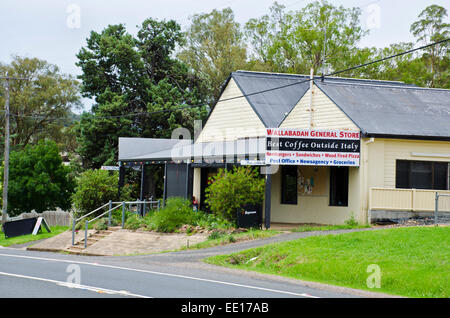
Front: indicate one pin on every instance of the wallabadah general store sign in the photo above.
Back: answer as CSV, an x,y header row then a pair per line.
x,y
312,147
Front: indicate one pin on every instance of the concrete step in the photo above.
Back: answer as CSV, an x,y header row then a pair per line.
x,y
103,232
77,247
97,236
92,240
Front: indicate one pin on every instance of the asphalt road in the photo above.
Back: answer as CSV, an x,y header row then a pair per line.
x,y
168,275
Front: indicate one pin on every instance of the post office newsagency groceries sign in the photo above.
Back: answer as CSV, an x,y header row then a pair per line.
x,y
312,147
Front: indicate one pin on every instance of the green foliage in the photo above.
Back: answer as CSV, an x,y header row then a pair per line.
x,y
230,190
131,77
95,188
210,221
48,94
214,49
293,41
352,222
38,180
101,224
177,212
133,222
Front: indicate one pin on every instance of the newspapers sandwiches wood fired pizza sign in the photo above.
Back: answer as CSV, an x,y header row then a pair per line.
x,y
312,147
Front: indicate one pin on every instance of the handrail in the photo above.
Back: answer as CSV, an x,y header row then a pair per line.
x,y
138,201
82,217
110,203
103,214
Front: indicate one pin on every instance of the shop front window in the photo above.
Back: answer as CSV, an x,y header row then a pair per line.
x,y
422,175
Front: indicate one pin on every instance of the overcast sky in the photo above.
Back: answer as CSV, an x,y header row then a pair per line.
x,y
51,29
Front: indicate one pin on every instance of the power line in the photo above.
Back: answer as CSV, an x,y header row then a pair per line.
x,y
389,57
253,93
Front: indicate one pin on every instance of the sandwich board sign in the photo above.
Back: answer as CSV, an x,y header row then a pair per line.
x,y
24,226
40,221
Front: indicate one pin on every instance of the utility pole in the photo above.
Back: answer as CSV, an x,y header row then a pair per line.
x,y
6,163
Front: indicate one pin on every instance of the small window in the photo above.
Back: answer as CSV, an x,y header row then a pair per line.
x,y
289,185
339,186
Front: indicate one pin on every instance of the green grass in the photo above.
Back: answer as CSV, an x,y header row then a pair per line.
x,y
223,239
414,261
55,230
308,228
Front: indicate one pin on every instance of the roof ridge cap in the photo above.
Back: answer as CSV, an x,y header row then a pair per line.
x,y
386,86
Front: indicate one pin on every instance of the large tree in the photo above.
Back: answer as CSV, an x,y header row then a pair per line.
x,y
214,48
39,107
296,41
431,28
427,68
140,89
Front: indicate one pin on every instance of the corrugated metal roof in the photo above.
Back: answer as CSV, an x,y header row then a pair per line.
x,y
152,149
377,107
271,106
397,110
141,148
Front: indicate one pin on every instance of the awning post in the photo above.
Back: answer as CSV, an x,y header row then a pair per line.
x,y
267,201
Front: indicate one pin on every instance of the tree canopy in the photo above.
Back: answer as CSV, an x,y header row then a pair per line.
x,y
38,180
40,106
215,47
140,89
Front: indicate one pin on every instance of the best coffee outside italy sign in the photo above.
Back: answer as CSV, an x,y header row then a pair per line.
x,y
312,147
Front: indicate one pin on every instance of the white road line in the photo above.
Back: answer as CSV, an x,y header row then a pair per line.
x,y
72,285
163,274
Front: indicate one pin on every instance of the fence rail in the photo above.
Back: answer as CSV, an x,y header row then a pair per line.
x,y
51,217
414,200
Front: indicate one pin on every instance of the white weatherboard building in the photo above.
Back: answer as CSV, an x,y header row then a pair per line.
x,y
345,147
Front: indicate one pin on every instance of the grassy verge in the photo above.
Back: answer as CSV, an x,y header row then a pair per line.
x,y
55,230
222,239
308,228
413,262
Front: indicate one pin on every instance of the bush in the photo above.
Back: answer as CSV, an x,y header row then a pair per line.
x,y
95,188
38,180
230,190
211,221
101,224
133,222
177,212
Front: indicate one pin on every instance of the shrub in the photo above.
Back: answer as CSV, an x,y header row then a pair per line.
x,y
38,180
95,188
178,211
351,221
101,224
133,222
211,221
230,190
